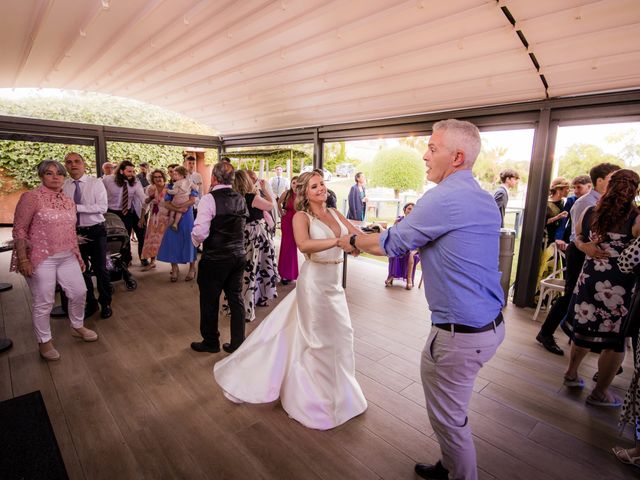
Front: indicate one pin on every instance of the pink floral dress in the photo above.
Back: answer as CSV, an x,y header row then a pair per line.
x,y
158,222
601,299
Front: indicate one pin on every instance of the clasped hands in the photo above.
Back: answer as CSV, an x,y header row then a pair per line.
x,y
345,244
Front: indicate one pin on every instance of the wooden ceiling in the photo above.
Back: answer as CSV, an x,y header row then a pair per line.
x,y
257,65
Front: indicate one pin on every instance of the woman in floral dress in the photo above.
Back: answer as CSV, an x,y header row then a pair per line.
x,y
602,296
629,261
158,217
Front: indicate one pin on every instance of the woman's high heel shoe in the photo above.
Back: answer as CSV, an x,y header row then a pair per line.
x,y
409,285
388,282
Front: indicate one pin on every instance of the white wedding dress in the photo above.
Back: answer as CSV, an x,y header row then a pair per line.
x,y
303,351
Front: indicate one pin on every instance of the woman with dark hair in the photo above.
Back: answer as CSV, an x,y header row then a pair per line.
x,y
601,300
288,257
403,267
158,217
46,251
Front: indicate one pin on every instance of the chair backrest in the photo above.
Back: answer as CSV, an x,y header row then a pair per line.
x,y
558,262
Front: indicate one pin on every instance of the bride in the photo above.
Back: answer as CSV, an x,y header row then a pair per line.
x,y
303,351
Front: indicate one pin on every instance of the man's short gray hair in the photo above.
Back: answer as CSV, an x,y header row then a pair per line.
x,y
461,135
223,172
44,165
75,153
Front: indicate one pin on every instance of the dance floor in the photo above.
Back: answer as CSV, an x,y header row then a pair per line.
x,y
139,403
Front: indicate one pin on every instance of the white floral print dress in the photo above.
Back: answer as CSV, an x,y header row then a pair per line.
x,y
601,299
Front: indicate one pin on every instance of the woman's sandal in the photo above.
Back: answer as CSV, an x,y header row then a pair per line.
x,y
190,276
603,402
409,286
388,282
625,457
174,276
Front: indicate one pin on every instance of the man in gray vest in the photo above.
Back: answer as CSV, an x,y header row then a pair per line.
x,y
219,227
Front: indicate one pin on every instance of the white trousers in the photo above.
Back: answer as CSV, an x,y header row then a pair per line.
x,y
449,367
62,268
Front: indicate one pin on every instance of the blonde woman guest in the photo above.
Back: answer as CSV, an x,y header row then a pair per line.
x,y
46,251
303,351
267,272
255,238
158,217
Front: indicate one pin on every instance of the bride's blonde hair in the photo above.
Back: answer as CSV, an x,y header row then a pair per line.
x,y
302,184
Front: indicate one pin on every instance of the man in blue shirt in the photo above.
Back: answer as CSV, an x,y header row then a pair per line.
x,y
456,228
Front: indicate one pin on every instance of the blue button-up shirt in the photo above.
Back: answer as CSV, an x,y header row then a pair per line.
x,y
456,227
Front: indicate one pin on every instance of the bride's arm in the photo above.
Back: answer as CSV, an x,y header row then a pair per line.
x,y
304,242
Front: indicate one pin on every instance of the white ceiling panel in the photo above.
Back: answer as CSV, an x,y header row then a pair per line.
x,y
254,65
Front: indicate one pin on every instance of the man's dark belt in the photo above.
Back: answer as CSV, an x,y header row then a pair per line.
x,y
466,329
90,227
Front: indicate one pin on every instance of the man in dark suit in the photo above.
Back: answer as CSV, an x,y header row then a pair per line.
x,y
509,180
220,229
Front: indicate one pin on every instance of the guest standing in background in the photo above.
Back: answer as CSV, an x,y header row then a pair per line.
x,y
288,257
267,273
176,246
107,168
45,251
158,217
220,230
555,208
403,266
126,199
602,297
90,198
256,238
358,199
508,181
194,177
142,175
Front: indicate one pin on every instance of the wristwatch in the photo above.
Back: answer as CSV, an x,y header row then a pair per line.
x,y
352,241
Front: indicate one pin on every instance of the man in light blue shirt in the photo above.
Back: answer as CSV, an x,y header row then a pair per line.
x,y
456,227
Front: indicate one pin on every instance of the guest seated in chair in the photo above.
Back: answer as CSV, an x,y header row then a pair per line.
x,y
404,266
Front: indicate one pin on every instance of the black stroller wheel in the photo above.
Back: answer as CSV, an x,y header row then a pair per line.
x,y
131,284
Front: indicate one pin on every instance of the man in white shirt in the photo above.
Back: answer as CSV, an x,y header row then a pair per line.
x,y
220,230
279,185
195,178
90,198
107,168
126,199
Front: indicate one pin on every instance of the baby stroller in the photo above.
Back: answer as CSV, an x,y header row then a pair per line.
x,y
117,242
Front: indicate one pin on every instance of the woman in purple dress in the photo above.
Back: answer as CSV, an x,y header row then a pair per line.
x,y
404,266
288,257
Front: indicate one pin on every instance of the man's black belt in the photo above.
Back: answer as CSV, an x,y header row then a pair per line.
x,y
456,327
90,227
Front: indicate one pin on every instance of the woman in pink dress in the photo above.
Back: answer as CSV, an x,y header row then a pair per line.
x,y
288,257
46,252
158,217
